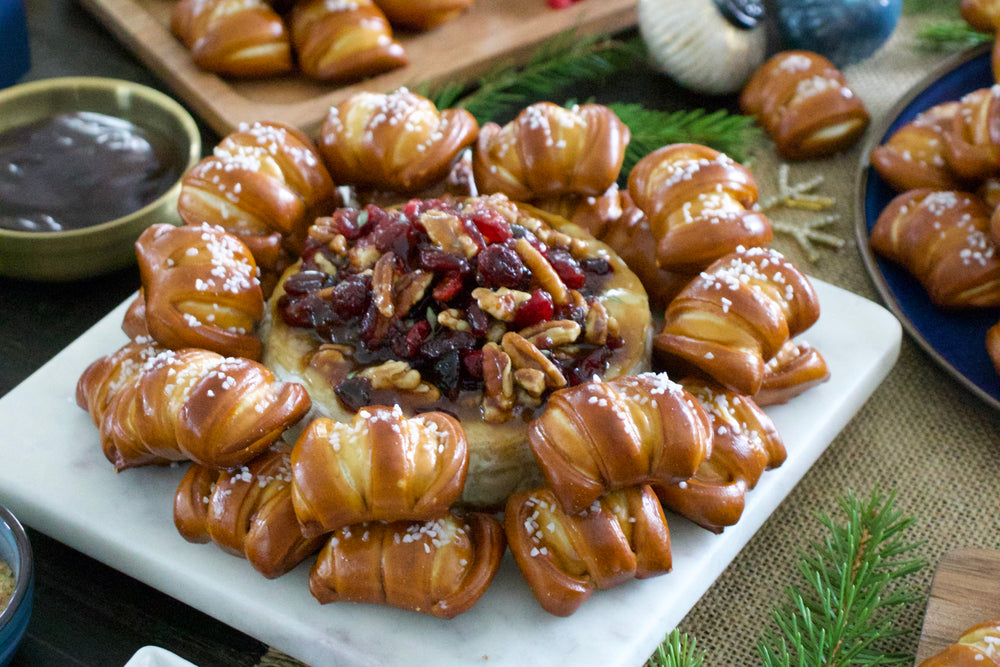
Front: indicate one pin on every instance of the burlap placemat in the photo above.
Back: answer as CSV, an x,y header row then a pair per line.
x,y
920,435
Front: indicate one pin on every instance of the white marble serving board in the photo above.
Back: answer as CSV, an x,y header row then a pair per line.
x,y
55,478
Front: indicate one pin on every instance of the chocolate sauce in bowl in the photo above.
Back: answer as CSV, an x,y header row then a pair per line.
x,y
74,170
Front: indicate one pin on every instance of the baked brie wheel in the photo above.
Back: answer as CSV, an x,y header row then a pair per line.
x,y
479,307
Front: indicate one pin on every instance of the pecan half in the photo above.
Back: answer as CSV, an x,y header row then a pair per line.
x,y
501,303
524,354
498,397
542,271
546,335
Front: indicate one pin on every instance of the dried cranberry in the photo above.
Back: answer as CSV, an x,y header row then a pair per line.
x,y
567,267
433,258
447,341
596,265
595,363
479,321
307,281
493,226
350,297
350,222
448,287
473,363
354,393
448,374
413,208
408,346
499,265
390,232
538,308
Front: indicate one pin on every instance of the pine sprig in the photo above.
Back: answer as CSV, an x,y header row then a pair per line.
x,y
677,650
950,35
731,134
913,7
854,593
560,61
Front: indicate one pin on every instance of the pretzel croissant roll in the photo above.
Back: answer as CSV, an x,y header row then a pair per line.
x,y
915,156
422,15
943,240
265,183
600,436
564,556
734,317
699,202
200,289
397,142
240,38
550,151
380,467
972,137
195,404
745,443
983,15
343,41
804,103
108,375
440,567
245,511
979,646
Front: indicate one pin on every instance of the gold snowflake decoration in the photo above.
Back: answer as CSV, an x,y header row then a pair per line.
x,y
800,196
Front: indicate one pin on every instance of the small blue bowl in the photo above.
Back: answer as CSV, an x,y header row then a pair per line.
x,y
15,550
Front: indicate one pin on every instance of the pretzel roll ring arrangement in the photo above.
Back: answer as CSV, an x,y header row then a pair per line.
x,y
200,289
735,316
396,142
380,467
564,557
601,436
804,104
700,205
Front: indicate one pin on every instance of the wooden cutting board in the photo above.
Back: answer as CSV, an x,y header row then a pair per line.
x,y
965,591
489,32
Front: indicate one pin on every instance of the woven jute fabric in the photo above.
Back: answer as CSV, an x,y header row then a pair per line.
x,y
921,435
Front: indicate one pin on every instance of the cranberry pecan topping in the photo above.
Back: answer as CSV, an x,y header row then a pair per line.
x,y
463,300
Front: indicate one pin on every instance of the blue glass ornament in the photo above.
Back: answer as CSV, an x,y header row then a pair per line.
x,y
845,31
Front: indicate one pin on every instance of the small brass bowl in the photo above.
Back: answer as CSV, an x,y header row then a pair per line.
x,y
77,253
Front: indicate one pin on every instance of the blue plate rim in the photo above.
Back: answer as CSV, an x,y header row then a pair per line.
x,y
876,267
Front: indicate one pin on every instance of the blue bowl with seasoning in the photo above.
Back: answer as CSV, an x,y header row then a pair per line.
x,y
86,164
15,554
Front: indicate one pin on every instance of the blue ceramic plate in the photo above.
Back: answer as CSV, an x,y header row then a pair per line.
x,y
953,339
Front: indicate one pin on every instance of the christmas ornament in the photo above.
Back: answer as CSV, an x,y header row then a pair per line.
x,y
845,31
710,46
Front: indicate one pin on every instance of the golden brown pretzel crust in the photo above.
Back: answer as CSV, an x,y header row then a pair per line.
x,y
734,317
597,437
699,203
796,367
239,38
977,647
803,102
983,15
943,239
246,512
200,289
745,443
198,405
972,136
564,557
106,376
422,14
265,183
916,156
397,142
343,41
380,467
549,151
440,567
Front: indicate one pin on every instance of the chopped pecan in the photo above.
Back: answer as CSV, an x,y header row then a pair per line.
x,y
531,379
392,375
410,288
363,257
498,395
382,279
542,271
453,319
501,303
546,335
448,233
332,362
524,354
599,324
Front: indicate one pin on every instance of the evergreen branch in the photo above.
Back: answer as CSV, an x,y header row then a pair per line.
x,y
677,650
559,62
947,7
731,134
853,596
950,35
